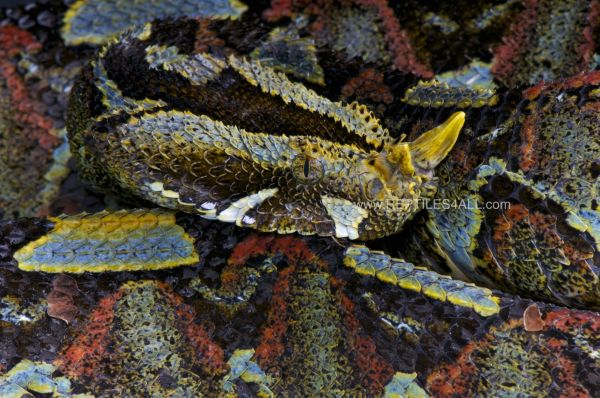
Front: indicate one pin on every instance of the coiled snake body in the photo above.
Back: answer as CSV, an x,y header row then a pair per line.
x,y
236,141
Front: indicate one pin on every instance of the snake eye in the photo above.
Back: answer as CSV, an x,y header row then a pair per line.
x,y
307,169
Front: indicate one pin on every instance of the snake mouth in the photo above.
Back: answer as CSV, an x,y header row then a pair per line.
x,y
432,147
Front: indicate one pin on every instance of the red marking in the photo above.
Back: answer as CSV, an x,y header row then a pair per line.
x,y
533,92
591,107
587,48
26,111
405,58
565,370
292,247
577,81
210,355
253,245
528,157
368,84
454,380
461,378
505,222
206,37
14,40
514,44
296,252
375,372
574,322
278,10
271,345
83,355
542,221
517,213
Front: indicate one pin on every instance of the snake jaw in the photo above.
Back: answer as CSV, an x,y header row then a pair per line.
x,y
431,147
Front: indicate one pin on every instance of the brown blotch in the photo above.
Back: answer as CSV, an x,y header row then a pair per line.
x,y
60,299
532,319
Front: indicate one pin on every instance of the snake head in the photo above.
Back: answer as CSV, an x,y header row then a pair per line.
x,y
407,167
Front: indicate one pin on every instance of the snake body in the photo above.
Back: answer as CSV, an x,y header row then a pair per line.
x,y
232,139
215,130
194,115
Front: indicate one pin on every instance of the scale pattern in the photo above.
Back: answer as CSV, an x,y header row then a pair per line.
x,y
332,164
141,345
441,94
547,41
431,284
255,314
119,241
29,136
96,22
544,242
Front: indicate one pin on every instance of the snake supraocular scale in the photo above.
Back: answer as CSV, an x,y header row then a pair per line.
x,y
234,140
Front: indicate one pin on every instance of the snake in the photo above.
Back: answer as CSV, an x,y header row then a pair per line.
x,y
239,142
181,115
232,137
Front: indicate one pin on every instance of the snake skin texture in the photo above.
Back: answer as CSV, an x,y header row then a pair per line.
x,y
292,161
542,162
226,156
